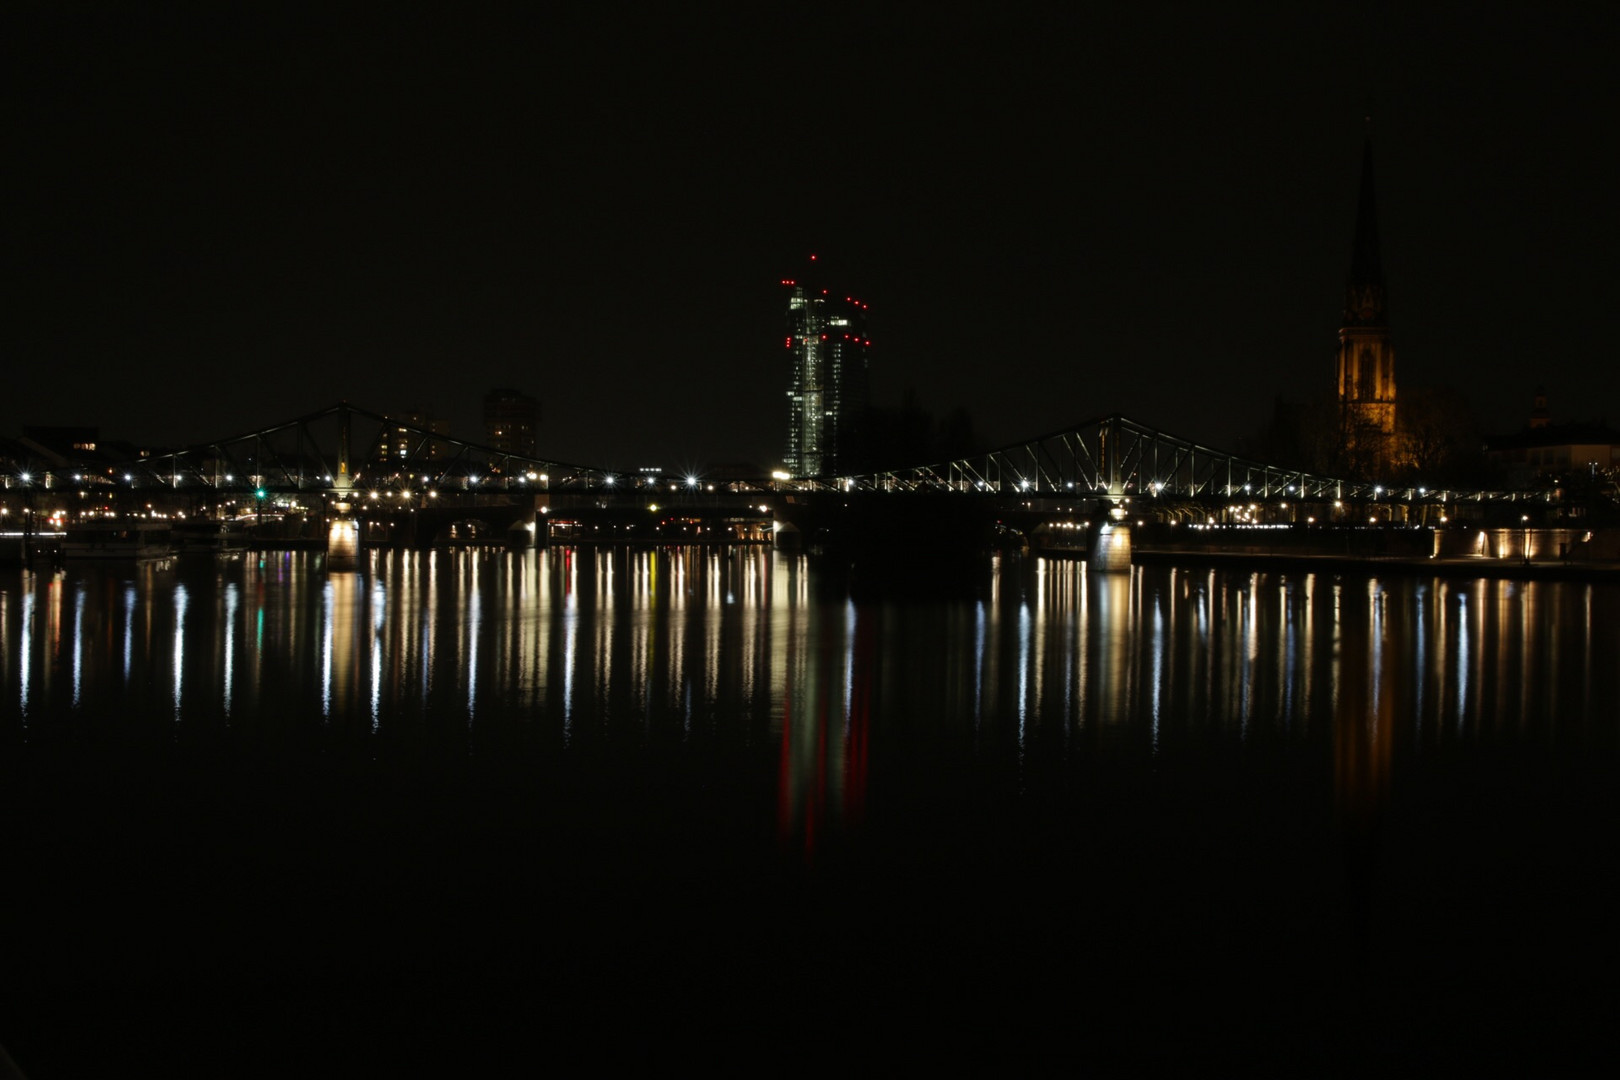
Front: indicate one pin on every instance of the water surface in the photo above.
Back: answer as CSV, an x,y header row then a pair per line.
x,y
623,800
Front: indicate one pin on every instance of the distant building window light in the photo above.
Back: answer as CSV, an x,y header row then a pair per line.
x,y
84,446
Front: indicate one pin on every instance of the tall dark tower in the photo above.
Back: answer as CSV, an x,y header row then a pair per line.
x,y
510,420
1366,362
827,343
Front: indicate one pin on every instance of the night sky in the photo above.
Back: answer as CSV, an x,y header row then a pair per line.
x,y
219,216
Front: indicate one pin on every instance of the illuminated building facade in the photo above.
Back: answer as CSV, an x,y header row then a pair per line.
x,y
1544,450
1366,358
407,438
827,344
510,420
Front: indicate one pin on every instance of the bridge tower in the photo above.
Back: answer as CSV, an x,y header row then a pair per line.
x,y
1111,541
1366,358
342,531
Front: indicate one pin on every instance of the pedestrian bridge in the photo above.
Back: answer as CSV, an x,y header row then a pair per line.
x,y
346,447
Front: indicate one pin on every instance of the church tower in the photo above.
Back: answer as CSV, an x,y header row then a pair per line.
x,y
1366,362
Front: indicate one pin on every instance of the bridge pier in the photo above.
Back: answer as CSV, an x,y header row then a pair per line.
x,y
786,536
1111,544
342,536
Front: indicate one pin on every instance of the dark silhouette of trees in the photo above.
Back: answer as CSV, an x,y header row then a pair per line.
x,y
910,435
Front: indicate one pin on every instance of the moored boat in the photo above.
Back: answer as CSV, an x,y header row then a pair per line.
x,y
118,540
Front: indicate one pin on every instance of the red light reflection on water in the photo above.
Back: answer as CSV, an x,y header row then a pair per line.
x,y
823,764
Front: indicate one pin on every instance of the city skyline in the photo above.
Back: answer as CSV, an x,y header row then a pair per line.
x,y
225,219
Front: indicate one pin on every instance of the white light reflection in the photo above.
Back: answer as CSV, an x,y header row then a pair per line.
x,y
711,632
849,662
78,640
1251,653
1287,597
1422,666
754,592
328,603
230,641
379,607
978,665
1463,660
1335,648
1375,645
429,619
25,642
1158,669
129,628
1023,674
1307,653
474,614
180,599
570,647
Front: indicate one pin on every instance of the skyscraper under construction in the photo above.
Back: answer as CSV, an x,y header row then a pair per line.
x,y
827,342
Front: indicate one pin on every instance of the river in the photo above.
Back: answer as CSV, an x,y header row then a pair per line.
x,y
493,809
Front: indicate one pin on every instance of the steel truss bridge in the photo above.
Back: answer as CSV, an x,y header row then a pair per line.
x,y
1108,457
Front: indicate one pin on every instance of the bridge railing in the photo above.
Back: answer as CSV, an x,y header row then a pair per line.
x,y
1117,457
1104,457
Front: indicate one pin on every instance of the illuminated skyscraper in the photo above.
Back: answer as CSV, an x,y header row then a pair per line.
x,y
827,343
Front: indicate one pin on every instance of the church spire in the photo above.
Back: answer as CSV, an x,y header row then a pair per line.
x,y
1366,267
1364,288
1366,361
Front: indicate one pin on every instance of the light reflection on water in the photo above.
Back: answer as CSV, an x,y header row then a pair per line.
x,y
743,647
718,765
